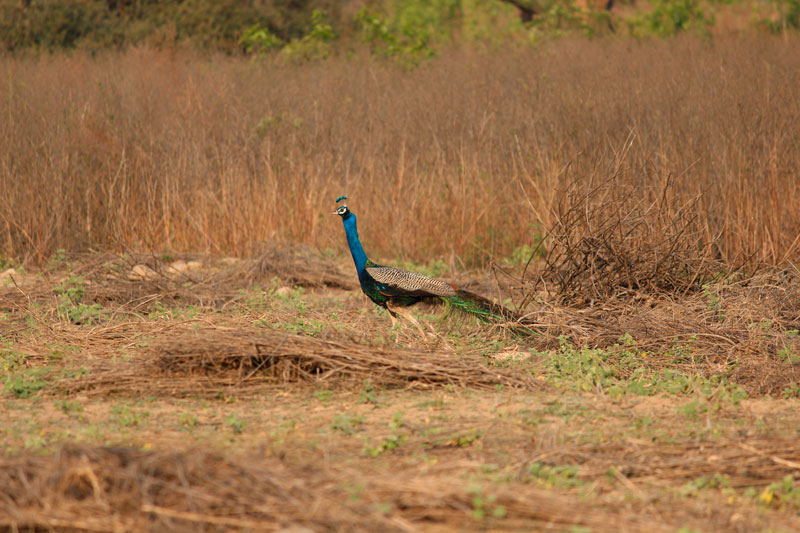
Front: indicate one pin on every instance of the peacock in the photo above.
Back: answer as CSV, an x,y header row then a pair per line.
x,y
395,289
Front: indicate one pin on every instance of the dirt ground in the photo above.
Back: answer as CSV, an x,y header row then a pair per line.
x,y
200,393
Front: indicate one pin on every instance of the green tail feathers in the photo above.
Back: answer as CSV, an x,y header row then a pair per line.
x,y
486,310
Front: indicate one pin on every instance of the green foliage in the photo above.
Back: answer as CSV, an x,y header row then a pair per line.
x,y
128,417
316,44
256,39
323,395
19,379
407,36
97,24
623,369
788,16
390,442
564,477
347,424
557,17
484,505
387,444
25,383
71,307
464,440
783,494
188,420
69,407
235,423
670,17
716,481
407,31
57,259
792,391
368,393
788,355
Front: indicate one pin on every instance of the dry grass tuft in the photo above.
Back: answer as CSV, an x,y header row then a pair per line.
x,y
212,360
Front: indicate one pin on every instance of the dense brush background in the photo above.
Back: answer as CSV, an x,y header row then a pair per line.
x,y
452,147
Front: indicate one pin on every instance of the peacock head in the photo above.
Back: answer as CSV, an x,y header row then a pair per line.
x,y
342,210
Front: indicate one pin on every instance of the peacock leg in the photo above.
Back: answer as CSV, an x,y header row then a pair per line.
x,y
393,317
408,316
402,311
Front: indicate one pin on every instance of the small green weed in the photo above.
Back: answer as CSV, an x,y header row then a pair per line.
x,y
555,476
368,393
347,424
20,379
24,383
782,495
716,481
159,311
188,420
792,391
390,442
70,408
71,307
464,440
787,355
128,417
484,505
235,423
387,444
323,395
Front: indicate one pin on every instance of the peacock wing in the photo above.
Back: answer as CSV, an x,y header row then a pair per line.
x,y
395,282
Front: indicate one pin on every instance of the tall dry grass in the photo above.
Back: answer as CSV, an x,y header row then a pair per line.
x,y
464,158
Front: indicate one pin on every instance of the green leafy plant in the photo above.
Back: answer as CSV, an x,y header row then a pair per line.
x,y
484,505
347,424
555,475
715,481
258,39
788,16
622,369
188,420
235,423
316,44
128,417
783,494
20,380
670,17
390,442
71,306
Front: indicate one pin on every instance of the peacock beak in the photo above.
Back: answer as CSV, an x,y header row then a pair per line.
x,y
334,213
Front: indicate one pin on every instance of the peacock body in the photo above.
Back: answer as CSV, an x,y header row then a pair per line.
x,y
394,289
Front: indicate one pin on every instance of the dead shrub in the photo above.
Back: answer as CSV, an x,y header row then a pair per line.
x,y
614,240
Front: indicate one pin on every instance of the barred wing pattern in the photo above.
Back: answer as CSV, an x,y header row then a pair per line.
x,y
410,282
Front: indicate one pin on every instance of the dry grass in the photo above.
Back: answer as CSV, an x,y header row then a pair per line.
x,y
113,489
170,151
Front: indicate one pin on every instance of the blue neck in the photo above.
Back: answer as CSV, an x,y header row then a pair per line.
x,y
359,257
